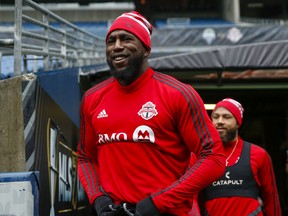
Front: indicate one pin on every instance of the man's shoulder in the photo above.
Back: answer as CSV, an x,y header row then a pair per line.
x,y
257,148
171,81
99,87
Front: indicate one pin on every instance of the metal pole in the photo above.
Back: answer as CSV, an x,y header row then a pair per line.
x,y
46,62
17,37
65,62
0,62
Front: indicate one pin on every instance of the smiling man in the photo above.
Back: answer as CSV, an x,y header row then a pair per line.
x,y
248,186
138,130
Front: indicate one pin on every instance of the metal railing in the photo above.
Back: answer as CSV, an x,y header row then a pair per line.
x,y
58,47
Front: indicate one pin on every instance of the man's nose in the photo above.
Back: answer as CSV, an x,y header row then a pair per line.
x,y
220,120
118,44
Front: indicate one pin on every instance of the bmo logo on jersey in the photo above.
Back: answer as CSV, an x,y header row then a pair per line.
x,y
106,138
142,133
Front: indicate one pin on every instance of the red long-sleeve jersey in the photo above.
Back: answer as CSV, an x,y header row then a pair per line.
x,y
136,141
268,203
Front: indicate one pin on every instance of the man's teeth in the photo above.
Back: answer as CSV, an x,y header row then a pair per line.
x,y
119,58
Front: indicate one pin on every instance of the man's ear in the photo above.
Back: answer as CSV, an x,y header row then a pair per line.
x,y
147,51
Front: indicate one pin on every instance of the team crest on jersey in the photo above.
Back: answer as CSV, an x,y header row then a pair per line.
x,y
148,111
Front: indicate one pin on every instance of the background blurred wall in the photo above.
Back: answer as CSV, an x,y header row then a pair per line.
x,y
11,126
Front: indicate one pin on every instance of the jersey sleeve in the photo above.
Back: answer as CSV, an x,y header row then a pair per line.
x,y
201,138
87,166
267,182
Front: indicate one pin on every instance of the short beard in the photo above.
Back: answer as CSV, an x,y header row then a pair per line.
x,y
230,135
124,74
128,74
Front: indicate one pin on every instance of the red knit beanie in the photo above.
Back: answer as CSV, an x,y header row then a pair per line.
x,y
136,24
233,106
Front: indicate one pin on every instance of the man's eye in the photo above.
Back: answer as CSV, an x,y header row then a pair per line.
x,y
127,39
109,41
227,116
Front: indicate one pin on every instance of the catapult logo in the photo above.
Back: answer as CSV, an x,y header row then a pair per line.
x,y
227,181
227,175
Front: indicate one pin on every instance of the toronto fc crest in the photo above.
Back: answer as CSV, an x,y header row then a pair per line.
x,y
148,111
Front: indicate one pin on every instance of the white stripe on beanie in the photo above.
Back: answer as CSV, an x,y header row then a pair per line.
x,y
139,22
147,23
237,104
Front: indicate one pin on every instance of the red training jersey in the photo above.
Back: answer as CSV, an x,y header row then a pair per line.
x,y
263,173
136,141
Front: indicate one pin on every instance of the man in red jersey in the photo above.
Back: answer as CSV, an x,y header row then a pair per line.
x,y
138,130
248,186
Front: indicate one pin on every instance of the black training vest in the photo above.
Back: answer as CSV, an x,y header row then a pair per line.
x,y
238,180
